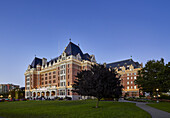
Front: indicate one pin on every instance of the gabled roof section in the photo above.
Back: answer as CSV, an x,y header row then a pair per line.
x,y
73,49
35,62
124,63
86,56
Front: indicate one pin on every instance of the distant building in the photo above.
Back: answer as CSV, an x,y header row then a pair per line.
x,y
54,78
5,88
128,69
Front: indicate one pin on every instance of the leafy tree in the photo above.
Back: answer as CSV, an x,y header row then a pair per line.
x,y
99,82
154,75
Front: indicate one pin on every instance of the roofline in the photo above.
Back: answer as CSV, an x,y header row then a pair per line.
x,y
118,61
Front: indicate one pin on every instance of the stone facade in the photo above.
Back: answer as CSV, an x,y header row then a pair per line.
x,y
55,78
128,71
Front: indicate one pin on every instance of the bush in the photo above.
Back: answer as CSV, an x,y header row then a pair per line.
x,y
60,99
68,98
163,96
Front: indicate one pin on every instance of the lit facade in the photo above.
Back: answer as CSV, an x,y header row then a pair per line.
x,y
54,78
128,70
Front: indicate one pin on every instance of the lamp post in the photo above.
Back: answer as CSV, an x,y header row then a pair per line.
x,y
157,95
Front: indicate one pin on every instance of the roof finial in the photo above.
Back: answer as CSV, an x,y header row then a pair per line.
x,y
78,44
35,55
131,57
70,39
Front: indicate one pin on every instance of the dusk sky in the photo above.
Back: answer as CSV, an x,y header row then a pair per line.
x,y
112,30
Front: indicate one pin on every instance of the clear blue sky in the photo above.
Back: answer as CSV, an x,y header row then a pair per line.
x,y
112,30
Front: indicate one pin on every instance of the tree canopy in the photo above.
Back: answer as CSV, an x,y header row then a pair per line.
x,y
99,82
154,75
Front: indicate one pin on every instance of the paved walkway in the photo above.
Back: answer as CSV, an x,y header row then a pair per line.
x,y
155,113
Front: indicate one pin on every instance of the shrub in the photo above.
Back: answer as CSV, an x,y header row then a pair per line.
x,y
164,96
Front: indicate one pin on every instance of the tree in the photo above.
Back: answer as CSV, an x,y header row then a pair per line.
x,y
99,82
154,75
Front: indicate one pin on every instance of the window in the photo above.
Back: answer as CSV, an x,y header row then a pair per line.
x,y
50,73
58,78
131,87
131,73
54,76
62,83
68,83
127,87
68,65
42,83
127,74
62,72
45,78
53,81
58,84
54,72
134,77
49,77
61,78
68,92
131,77
128,83
131,82
134,87
62,92
42,78
127,78
49,82
62,66
46,82
134,73
45,74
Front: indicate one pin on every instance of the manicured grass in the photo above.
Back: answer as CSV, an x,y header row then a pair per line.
x,y
70,109
165,106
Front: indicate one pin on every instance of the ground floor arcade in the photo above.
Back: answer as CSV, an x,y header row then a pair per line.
x,y
51,93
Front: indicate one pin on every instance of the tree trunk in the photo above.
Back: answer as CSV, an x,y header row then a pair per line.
x,y
97,104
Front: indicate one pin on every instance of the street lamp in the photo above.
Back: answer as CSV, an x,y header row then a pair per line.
x,y
157,95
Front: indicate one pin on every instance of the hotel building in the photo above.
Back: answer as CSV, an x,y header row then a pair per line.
x,y
54,78
128,70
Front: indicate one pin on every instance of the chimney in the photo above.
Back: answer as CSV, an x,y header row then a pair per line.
x,y
44,61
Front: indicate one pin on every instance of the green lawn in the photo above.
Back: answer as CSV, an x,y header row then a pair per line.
x,y
70,109
165,106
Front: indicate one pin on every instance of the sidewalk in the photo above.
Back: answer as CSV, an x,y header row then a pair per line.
x,y
155,113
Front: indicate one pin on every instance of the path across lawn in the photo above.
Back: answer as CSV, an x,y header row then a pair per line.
x,y
155,113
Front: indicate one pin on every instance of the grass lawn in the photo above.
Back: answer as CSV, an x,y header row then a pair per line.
x,y
70,109
165,106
